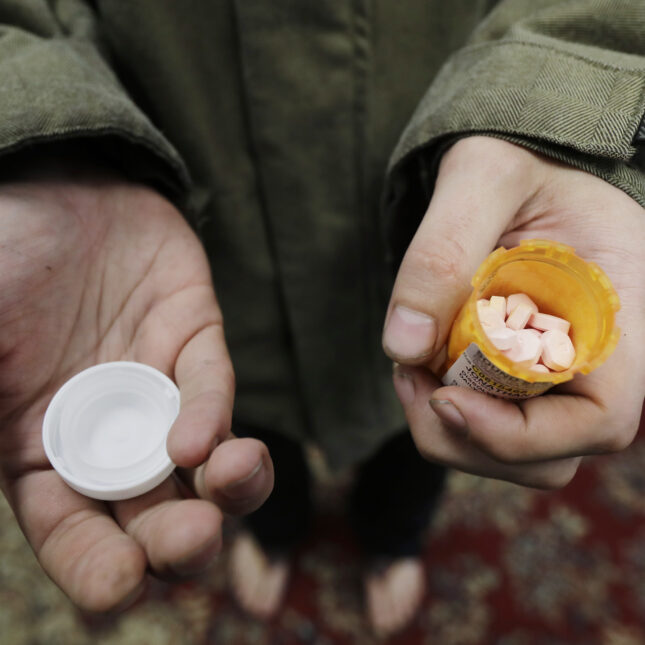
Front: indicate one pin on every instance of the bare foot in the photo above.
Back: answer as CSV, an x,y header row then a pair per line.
x,y
258,582
394,594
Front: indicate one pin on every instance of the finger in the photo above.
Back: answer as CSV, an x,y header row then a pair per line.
x,y
475,198
77,543
450,445
181,537
594,414
205,378
238,477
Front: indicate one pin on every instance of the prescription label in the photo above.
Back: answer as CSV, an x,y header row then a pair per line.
x,y
472,369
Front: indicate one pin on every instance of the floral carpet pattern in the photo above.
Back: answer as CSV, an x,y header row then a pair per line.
x,y
506,566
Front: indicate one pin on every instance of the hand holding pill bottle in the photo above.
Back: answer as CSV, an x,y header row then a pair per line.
x,y
535,423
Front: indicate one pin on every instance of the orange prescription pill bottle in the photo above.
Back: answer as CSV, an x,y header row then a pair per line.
x,y
560,283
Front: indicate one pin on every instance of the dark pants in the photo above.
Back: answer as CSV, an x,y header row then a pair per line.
x,y
394,495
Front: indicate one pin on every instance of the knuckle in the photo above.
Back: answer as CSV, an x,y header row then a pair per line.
x,y
557,476
503,452
222,366
506,453
424,448
618,436
445,265
615,443
619,424
508,450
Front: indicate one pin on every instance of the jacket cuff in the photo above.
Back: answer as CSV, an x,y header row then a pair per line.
x,y
523,92
54,90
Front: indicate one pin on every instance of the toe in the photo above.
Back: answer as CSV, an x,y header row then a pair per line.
x,y
377,600
258,583
395,595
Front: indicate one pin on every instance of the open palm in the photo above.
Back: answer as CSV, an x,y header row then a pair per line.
x,y
94,270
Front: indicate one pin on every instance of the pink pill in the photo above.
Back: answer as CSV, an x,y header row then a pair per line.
x,y
527,351
558,352
519,317
489,317
482,304
547,322
516,299
501,337
499,304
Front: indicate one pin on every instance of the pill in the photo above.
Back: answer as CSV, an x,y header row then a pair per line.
x,y
527,350
519,316
489,317
516,299
482,304
558,352
538,367
501,337
545,322
499,304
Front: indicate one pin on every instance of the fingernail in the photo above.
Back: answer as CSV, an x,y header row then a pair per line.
x,y
403,384
198,562
447,411
240,488
409,334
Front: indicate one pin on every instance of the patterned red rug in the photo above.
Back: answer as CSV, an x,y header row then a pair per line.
x,y
506,566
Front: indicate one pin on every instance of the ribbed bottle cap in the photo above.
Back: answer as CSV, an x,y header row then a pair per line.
x,y
105,430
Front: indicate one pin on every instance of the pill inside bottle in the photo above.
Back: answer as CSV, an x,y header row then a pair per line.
x,y
526,336
545,288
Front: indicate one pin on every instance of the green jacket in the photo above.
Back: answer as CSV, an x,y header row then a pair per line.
x,y
273,125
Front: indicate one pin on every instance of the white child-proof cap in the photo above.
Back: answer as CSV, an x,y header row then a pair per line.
x,y
105,430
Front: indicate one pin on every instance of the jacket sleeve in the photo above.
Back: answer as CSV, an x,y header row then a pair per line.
x,y
56,85
565,78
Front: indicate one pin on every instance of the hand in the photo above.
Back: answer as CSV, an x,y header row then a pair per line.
x,y
93,270
491,193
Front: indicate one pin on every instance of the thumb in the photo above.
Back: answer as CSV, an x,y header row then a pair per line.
x,y
236,474
482,183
